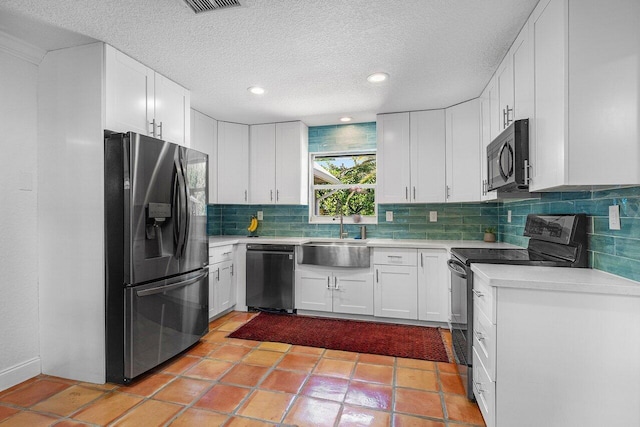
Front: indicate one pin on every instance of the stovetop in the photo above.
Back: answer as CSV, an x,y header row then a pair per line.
x,y
505,256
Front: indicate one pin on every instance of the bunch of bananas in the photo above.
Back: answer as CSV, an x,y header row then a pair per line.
x,y
253,225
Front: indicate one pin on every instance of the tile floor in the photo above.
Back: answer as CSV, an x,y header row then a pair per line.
x,y
232,382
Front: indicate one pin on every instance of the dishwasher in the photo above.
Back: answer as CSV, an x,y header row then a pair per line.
x,y
270,277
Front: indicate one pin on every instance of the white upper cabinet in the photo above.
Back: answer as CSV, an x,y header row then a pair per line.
x,y
411,157
278,163
504,82
487,108
463,152
143,101
204,138
233,165
585,129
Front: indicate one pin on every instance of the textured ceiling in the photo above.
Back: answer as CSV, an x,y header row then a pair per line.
x,y
311,56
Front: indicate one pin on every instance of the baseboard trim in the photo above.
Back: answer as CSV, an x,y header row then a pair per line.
x,y
19,373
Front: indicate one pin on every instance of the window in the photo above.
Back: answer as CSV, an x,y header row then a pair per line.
x,y
343,182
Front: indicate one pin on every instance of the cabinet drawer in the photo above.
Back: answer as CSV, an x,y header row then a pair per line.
x,y
484,298
395,256
484,342
485,391
220,254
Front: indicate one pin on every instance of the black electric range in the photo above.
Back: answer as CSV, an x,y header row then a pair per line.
x,y
554,241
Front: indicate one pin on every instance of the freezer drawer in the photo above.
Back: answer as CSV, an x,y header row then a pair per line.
x,y
164,318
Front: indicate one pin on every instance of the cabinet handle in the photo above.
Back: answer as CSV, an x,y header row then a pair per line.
x,y
414,192
504,118
447,190
421,259
277,195
245,195
479,336
226,253
328,282
509,120
218,274
477,293
232,269
335,282
152,132
271,196
377,279
160,132
478,387
406,193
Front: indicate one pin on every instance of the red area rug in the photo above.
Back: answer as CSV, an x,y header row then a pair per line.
x,y
414,342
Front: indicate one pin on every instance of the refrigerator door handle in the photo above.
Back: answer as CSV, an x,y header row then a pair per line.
x,y
181,222
187,200
160,289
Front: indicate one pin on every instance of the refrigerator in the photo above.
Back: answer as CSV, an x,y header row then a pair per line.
x,y
156,252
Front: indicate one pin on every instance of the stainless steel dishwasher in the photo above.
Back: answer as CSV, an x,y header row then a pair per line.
x,y
270,276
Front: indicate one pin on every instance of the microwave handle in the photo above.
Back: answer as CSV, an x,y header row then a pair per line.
x,y
505,175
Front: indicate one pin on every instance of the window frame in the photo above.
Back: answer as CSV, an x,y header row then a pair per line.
x,y
319,219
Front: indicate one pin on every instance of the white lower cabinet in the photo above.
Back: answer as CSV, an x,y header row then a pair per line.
x,y
222,283
396,283
337,290
433,285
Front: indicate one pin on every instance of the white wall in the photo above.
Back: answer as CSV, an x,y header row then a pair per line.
x,y
19,348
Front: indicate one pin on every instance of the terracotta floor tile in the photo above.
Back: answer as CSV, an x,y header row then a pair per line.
x,y
247,375
400,420
376,359
243,317
246,422
243,343
334,368
298,362
107,409
418,402
149,413
68,400
376,396
6,412
374,373
338,354
326,388
275,346
449,368
148,385
71,423
230,353
266,405
223,398
33,393
180,364
105,387
216,336
18,386
451,383
182,390
416,364
30,419
356,417
262,358
197,417
417,378
230,326
306,350
312,412
208,369
284,381
203,348
459,408
58,379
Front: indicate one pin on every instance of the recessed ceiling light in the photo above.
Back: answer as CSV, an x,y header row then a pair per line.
x,y
377,77
256,90
345,119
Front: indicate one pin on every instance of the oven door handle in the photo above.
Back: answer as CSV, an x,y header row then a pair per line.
x,y
160,289
457,268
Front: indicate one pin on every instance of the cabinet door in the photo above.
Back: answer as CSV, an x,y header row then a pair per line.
x,y
233,163
172,105
353,292
393,158
504,82
204,138
427,135
522,59
463,152
213,285
226,290
547,148
485,120
396,292
433,286
262,164
314,290
129,94
292,163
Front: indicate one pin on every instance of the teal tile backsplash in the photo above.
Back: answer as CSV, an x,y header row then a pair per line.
x,y
614,251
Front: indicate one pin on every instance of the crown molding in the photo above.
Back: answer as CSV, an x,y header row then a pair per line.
x,y
21,49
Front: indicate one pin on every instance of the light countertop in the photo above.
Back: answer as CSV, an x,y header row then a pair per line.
x,y
583,280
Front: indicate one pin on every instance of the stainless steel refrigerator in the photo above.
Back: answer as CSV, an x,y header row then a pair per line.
x,y
156,252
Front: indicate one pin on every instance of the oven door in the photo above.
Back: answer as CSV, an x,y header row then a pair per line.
x,y
164,318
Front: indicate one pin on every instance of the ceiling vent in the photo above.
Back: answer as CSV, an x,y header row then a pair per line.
x,y
200,6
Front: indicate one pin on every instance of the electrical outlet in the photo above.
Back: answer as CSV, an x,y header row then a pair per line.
x,y
509,216
433,216
389,215
260,216
614,217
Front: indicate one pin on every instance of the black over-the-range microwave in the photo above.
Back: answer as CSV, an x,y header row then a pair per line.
x,y
508,159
